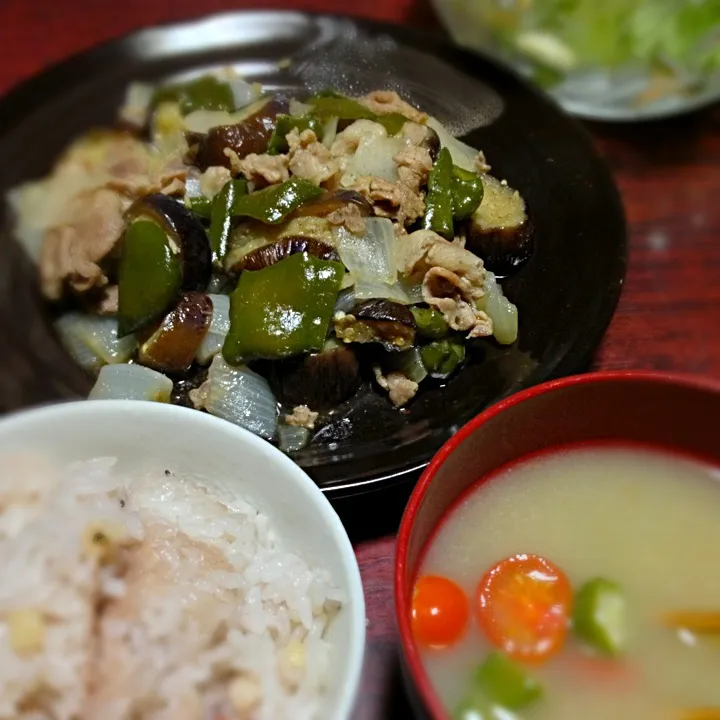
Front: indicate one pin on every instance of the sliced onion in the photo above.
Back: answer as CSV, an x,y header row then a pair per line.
x,y
462,154
397,292
93,340
501,311
371,256
242,397
346,300
410,363
374,157
298,109
413,292
131,382
192,184
330,132
136,107
368,291
292,438
244,92
219,327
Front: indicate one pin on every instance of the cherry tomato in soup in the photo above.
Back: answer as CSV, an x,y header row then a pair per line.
x,y
440,611
523,605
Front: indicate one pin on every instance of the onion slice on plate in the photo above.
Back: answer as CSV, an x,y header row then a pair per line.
x,y
241,396
93,340
131,382
369,257
292,438
219,327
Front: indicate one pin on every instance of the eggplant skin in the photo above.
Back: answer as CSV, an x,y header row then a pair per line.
x,y
500,231
431,143
385,311
332,201
172,346
378,321
250,136
503,250
320,380
267,255
184,228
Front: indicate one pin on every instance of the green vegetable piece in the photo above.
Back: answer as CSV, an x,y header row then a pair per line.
x,y
474,707
273,204
467,192
201,206
392,122
221,215
439,200
442,357
347,109
599,616
282,310
205,93
505,683
149,278
430,323
285,124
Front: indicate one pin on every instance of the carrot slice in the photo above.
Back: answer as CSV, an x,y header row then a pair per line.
x,y
523,605
440,611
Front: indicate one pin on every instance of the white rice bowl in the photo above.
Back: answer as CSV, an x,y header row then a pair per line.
x,y
130,592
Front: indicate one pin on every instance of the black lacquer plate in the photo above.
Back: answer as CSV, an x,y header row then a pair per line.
x,y
566,294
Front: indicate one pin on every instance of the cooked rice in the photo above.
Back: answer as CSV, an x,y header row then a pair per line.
x,y
146,598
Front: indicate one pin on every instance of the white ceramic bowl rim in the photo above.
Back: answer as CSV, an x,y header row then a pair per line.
x,y
71,413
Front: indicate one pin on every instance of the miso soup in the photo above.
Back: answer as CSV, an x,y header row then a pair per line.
x,y
578,583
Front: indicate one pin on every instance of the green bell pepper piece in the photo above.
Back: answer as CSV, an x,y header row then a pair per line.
x,y
221,215
149,276
467,192
346,108
285,124
505,683
274,203
205,93
442,357
430,323
200,205
439,200
599,616
282,310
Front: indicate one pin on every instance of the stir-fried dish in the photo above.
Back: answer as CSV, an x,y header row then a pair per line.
x,y
260,257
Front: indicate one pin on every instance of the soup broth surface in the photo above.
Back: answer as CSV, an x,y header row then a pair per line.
x,y
643,518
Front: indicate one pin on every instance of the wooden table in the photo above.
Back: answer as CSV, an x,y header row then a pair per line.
x,y
669,315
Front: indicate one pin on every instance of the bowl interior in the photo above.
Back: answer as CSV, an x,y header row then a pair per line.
x,y
232,464
679,414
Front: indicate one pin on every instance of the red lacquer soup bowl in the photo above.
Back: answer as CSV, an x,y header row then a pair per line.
x,y
672,412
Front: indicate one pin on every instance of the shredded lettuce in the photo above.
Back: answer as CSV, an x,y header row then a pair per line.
x,y
564,35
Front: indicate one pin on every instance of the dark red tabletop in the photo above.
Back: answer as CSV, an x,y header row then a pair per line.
x,y
669,314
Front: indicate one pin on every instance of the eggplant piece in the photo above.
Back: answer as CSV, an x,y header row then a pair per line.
x,y
252,234
172,346
378,321
184,230
267,255
332,201
320,380
252,135
499,231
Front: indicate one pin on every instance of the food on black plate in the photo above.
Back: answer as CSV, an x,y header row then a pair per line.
x,y
261,256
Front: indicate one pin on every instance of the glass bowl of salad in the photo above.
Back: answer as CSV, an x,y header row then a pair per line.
x,y
605,60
